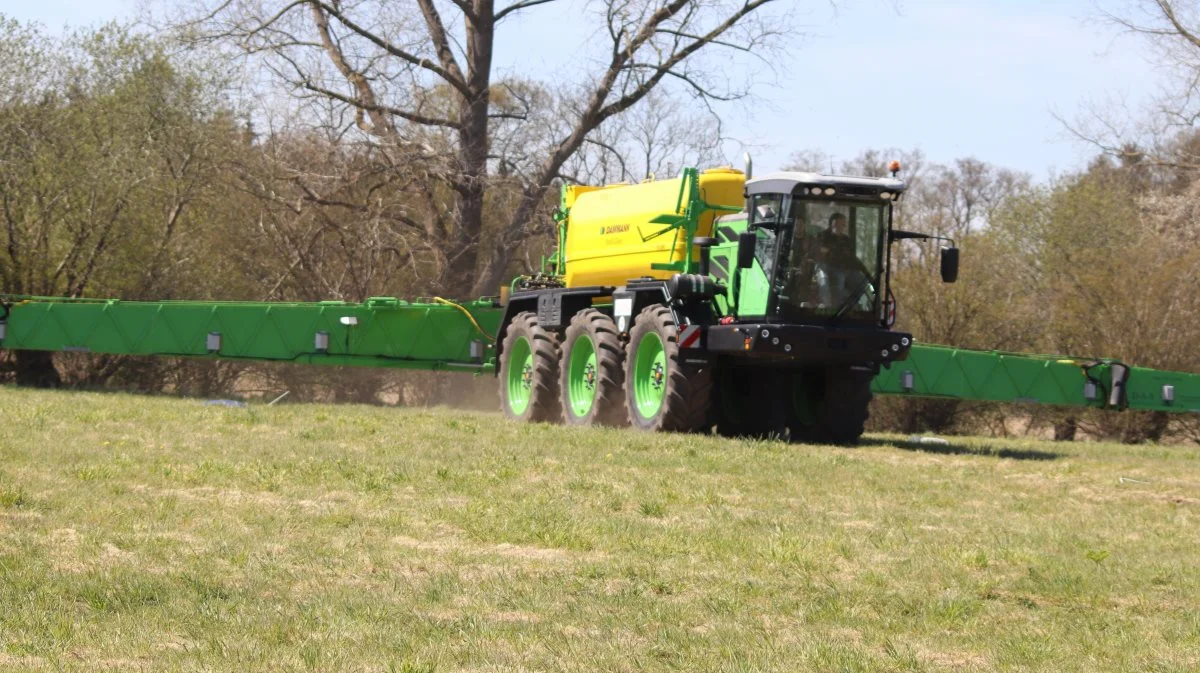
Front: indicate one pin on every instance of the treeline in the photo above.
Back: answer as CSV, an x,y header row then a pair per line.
x,y
129,168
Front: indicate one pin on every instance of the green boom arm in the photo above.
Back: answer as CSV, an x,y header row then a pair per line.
x,y
955,373
380,332
387,332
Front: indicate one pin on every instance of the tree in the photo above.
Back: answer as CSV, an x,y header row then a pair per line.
x,y
417,81
112,156
656,139
1120,279
1163,134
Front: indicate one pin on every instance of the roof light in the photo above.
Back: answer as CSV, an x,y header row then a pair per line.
x,y
886,196
829,191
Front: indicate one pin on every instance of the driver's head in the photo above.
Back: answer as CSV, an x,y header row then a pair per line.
x,y
838,224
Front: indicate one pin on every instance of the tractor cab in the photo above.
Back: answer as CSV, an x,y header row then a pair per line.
x,y
818,246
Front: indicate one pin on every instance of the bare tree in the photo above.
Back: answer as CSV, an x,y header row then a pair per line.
x,y
655,139
416,79
1162,135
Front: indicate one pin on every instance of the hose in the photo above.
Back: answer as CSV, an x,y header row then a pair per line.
x,y
470,317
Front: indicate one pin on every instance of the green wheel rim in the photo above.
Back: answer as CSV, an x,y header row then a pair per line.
x,y
581,377
520,376
649,375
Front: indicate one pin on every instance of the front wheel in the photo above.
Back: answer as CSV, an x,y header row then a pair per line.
x,y
662,392
529,371
829,406
748,402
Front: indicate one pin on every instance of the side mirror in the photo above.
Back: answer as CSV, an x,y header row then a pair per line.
x,y
949,265
747,241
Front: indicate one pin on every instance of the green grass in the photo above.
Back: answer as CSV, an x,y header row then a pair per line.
x,y
156,534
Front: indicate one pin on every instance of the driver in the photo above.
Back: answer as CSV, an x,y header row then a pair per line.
x,y
838,269
837,236
834,245
838,225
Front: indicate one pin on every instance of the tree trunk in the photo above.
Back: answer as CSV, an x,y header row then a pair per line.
x,y
1065,429
1146,427
473,153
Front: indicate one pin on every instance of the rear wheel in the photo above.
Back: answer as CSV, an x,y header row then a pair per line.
x,y
593,375
529,371
663,392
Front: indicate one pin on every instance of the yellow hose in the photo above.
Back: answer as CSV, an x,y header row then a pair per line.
x,y
470,317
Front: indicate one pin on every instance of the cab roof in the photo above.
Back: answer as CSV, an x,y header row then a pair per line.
x,y
785,182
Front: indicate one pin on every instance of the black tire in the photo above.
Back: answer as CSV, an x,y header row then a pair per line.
x,y
608,402
686,390
540,377
830,406
748,402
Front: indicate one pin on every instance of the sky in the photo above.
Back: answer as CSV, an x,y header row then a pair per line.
x,y
953,78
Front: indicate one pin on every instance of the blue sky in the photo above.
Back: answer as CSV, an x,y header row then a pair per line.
x,y
954,78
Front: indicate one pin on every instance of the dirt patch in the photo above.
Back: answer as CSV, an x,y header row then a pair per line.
x,y
439,546
191,543
9,662
513,616
527,552
65,537
447,545
232,496
846,635
111,552
953,660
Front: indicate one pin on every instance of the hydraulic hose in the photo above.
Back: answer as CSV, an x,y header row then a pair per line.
x,y
470,317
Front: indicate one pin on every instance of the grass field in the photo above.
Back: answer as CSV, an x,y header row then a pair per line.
x,y
159,534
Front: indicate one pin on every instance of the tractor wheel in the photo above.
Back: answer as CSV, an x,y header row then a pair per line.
x,y
829,406
662,392
748,404
593,374
731,411
529,371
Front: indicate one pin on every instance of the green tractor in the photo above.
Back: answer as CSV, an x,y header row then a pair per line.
x,y
756,307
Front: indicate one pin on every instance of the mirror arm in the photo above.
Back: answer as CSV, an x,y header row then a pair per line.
x,y
899,235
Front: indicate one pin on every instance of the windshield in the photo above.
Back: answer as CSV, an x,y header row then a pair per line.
x,y
834,259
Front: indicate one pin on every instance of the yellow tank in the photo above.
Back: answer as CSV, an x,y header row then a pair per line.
x,y
607,225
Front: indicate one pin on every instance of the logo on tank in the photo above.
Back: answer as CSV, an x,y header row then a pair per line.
x,y
614,229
